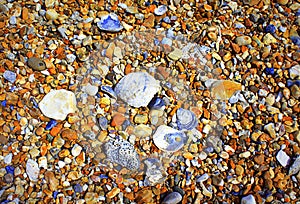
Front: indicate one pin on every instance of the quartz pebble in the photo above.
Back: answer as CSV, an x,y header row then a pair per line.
x,y
51,14
76,150
90,89
32,170
57,104
295,72
283,158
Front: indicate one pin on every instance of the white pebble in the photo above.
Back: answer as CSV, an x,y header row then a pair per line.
x,y
32,170
248,200
282,158
8,158
76,150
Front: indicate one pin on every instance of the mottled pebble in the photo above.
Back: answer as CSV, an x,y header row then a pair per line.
x,y
36,64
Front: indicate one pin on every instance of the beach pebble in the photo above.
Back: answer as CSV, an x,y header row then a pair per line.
x,y
283,158
295,168
172,198
243,40
57,104
269,39
160,10
121,152
10,76
176,54
51,14
36,64
90,89
32,170
295,72
76,150
49,3
249,199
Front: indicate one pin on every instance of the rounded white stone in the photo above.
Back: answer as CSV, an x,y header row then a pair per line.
x,y
58,104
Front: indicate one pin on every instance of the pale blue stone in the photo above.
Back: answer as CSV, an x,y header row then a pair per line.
x,y
10,76
13,20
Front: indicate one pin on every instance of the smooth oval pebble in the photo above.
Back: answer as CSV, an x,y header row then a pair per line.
x,y
32,170
110,23
137,89
172,198
169,139
36,64
186,120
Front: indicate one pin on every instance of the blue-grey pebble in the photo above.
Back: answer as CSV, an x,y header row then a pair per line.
x,y
172,198
10,76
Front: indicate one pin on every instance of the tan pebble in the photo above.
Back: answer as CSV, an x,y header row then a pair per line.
x,y
149,21
213,36
51,180
188,155
113,192
23,121
73,175
144,196
69,135
51,14
259,159
282,2
239,170
118,119
141,119
25,13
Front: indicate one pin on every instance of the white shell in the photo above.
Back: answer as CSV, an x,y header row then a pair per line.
x,y
57,104
169,139
137,89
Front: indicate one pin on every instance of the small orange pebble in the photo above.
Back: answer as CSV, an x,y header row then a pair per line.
x,y
151,8
118,119
55,130
244,49
60,50
52,71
